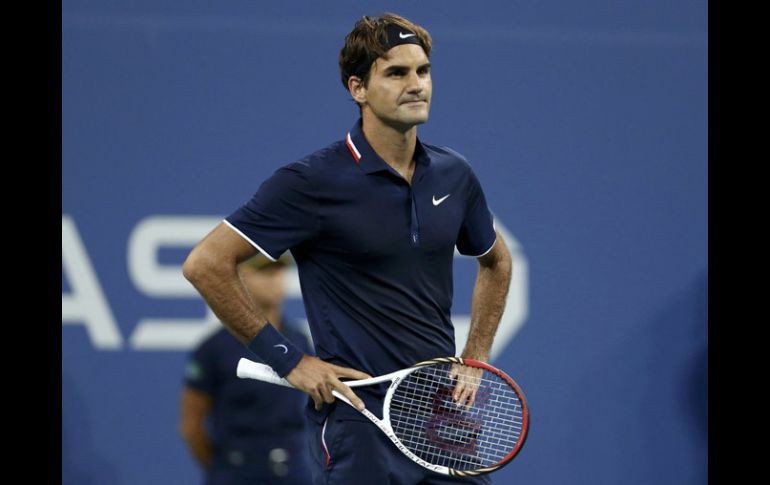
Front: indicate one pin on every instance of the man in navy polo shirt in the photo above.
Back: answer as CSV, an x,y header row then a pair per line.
x,y
372,222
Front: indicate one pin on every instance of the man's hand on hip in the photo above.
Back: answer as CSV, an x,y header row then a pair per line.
x,y
318,379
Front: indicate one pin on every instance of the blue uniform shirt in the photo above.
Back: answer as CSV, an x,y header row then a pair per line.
x,y
248,418
374,253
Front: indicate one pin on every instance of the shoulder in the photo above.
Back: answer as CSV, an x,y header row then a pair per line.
x,y
316,163
301,177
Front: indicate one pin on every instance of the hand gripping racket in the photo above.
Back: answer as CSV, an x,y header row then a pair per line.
x,y
423,421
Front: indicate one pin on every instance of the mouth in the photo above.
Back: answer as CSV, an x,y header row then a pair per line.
x,y
414,102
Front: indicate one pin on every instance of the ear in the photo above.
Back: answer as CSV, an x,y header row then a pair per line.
x,y
357,89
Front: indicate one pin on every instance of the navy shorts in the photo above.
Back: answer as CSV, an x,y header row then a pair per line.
x,y
347,448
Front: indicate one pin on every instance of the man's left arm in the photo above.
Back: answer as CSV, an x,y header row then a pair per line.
x,y
488,302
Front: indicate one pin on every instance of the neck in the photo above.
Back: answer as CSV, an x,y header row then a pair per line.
x,y
395,146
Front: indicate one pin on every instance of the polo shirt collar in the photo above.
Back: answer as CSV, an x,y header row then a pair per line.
x,y
365,156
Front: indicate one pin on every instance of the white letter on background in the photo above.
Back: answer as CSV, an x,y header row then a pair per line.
x,y
85,304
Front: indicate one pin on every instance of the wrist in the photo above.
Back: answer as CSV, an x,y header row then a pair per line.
x,y
275,350
475,355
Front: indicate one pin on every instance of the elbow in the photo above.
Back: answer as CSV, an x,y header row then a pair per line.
x,y
190,267
197,264
206,266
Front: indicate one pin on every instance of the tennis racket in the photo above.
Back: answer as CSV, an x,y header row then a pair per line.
x,y
423,421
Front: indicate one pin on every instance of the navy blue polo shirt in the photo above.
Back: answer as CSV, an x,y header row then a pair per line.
x,y
374,253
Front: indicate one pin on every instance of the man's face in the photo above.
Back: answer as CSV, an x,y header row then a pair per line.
x,y
399,89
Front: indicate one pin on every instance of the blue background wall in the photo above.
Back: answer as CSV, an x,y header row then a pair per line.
x,y
586,123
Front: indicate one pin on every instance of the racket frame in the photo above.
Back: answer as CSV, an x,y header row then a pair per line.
x,y
254,370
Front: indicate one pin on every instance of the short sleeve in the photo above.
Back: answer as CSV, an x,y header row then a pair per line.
x,y
199,372
477,233
282,214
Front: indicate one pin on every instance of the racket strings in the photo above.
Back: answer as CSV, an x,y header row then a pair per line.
x,y
432,426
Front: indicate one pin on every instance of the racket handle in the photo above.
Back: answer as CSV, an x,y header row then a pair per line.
x,y
248,369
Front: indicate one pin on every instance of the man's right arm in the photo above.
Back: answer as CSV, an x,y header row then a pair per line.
x,y
212,268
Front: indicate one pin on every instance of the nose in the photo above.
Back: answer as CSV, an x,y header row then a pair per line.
x,y
414,83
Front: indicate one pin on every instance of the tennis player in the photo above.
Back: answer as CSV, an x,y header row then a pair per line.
x,y
372,222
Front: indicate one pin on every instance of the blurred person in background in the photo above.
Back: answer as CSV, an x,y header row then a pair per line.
x,y
242,431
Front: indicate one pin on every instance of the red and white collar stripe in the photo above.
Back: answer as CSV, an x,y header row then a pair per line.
x,y
352,147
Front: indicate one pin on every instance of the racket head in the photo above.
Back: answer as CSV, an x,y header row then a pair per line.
x,y
462,440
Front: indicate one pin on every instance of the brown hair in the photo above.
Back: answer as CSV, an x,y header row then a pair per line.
x,y
366,42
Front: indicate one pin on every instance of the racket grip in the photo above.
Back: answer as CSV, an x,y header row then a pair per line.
x,y
248,369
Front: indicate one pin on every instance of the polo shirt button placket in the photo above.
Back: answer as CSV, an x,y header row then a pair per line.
x,y
414,226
